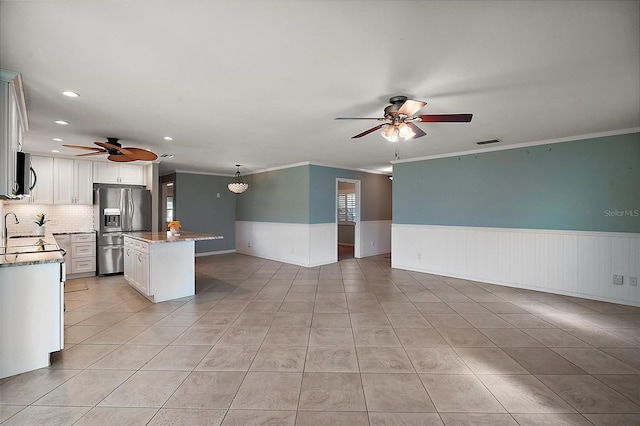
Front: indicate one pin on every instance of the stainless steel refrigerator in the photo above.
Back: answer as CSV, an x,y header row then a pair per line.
x,y
118,211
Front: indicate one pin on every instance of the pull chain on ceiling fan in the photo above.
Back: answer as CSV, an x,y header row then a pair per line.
x,y
399,119
116,152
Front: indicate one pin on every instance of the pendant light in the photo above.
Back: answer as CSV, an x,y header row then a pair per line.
x,y
238,186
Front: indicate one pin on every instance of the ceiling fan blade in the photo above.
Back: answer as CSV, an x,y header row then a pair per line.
x,y
358,118
89,148
410,107
366,132
103,151
417,130
141,154
112,146
120,158
445,118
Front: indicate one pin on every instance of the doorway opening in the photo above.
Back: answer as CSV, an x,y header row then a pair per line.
x,y
347,218
168,204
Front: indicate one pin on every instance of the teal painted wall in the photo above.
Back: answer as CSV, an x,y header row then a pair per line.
x,y
307,194
280,196
590,185
198,209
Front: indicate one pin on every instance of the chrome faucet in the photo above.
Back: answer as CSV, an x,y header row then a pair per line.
x,y
4,228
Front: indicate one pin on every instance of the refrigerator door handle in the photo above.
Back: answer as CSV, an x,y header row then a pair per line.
x,y
123,213
132,208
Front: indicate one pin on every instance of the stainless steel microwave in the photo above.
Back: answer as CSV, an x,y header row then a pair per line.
x,y
24,173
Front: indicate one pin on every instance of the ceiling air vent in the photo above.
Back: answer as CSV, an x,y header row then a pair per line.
x,y
488,142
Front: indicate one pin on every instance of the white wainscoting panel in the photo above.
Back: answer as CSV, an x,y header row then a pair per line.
x,y
284,242
307,244
574,263
375,237
301,244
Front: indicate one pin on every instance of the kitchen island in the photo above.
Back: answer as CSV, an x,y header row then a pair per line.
x,y
161,266
32,275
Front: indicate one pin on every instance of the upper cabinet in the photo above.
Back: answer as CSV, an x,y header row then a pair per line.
x,y
61,181
42,192
125,174
13,124
73,181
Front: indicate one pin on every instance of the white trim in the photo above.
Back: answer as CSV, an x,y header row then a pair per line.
x,y
199,173
214,253
357,228
520,145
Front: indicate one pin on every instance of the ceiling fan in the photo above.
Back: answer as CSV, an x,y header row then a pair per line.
x,y
116,151
399,119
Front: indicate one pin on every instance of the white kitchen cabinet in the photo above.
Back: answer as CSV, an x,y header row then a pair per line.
x,y
160,271
73,181
81,253
43,192
31,316
136,265
126,174
13,124
142,273
129,257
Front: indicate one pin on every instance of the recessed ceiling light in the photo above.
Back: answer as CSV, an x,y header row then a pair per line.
x,y
54,150
61,122
58,139
70,94
168,138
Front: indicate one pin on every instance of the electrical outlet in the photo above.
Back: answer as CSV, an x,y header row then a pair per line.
x,y
249,244
618,279
218,195
373,243
633,281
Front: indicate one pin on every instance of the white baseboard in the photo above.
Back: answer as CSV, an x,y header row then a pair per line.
x,y
214,253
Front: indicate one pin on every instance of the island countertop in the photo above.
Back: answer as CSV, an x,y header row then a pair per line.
x,y
165,237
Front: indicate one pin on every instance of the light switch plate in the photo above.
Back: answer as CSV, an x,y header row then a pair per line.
x,y
633,281
618,279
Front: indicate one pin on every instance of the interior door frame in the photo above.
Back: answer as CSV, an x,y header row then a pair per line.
x,y
356,231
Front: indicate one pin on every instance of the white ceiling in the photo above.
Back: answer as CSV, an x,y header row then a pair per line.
x,y
258,83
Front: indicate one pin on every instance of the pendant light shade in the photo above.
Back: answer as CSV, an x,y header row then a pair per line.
x,y
238,186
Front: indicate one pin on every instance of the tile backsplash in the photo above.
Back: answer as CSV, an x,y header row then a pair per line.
x,y
63,218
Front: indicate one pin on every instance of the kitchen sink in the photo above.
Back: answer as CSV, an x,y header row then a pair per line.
x,y
25,250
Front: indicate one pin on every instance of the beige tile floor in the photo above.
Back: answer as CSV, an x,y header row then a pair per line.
x,y
352,343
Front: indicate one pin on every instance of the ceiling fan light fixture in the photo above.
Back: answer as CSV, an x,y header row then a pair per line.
x,y
405,132
238,186
390,133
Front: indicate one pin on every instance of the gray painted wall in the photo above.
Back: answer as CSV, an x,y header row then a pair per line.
x,y
280,196
307,194
198,209
375,190
590,185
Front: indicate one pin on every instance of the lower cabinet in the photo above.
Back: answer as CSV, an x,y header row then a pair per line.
x,y
31,316
81,253
162,270
136,265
